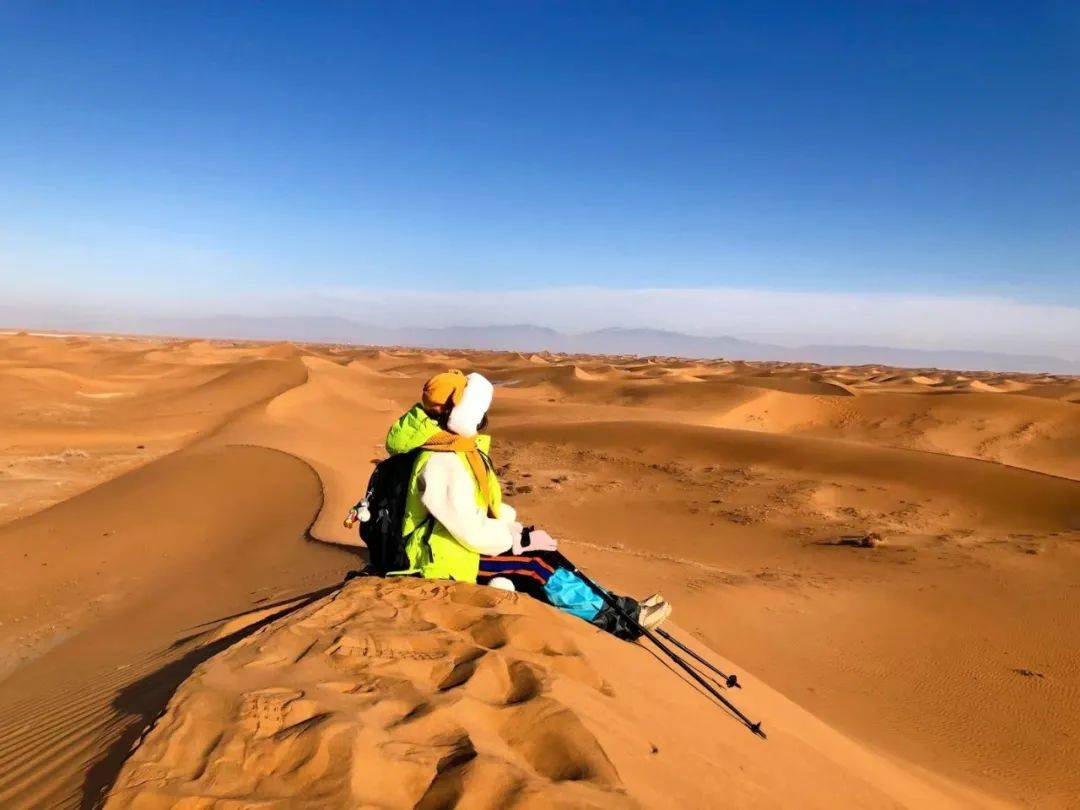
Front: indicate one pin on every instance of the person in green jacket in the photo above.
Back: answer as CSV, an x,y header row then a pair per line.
x,y
457,525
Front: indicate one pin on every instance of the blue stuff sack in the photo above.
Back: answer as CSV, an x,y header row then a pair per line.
x,y
567,591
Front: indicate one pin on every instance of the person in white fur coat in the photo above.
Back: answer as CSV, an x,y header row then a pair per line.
x,y
456,524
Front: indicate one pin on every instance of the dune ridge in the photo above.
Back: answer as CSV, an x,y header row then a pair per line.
x,y
421,694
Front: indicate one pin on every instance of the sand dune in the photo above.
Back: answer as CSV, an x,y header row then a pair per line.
x,y
968,591
417,694
991,495
161,502
113,580
56,441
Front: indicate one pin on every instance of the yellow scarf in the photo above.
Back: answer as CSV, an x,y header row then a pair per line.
x,y
447,442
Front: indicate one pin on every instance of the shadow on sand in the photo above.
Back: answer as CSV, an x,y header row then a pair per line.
x,y
145,700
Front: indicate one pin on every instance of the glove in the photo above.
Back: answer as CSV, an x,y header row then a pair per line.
x,y
534,540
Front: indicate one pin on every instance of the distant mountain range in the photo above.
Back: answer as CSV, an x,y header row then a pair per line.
x,y
528,338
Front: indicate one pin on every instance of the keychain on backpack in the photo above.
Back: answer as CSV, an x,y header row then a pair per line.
x,y
358,514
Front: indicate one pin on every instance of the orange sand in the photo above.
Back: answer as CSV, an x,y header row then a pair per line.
x,y
161,502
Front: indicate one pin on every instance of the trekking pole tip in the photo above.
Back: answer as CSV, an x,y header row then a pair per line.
x,y
756,728
733,682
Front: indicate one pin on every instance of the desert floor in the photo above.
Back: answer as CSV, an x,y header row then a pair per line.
x,y
166,501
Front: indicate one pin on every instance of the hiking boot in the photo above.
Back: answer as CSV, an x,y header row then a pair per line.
x,y
652,616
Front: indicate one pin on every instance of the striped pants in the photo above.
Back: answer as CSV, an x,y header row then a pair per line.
x,y
528,573
539,575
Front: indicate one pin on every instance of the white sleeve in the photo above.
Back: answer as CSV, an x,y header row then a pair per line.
x,y
449,494
507,513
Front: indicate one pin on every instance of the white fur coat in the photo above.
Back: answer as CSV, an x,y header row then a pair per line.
x,y
448,491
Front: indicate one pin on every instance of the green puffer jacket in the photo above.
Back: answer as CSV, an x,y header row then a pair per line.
x,y
433,552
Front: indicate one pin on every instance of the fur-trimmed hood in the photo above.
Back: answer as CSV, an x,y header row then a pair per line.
x,y
466,416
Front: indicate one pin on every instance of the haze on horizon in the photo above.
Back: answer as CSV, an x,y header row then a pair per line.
x,y
886,174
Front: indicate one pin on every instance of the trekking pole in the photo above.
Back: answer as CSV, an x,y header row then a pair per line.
x,y
730,681
674,656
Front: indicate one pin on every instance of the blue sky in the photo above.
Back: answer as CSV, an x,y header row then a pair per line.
x,y
226,151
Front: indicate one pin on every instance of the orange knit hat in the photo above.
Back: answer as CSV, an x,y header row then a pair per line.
x,y
443,391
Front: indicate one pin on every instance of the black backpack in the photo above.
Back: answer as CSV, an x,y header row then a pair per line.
x,y
384,503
